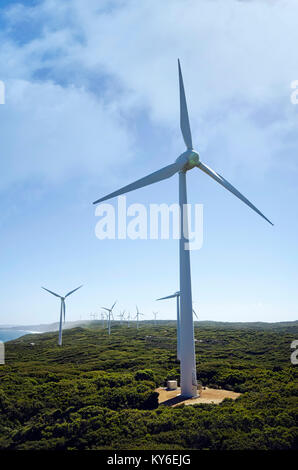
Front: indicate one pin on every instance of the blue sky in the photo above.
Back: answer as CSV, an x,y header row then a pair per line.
x,y
92,104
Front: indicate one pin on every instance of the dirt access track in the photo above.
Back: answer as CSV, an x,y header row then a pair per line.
x,y
207,395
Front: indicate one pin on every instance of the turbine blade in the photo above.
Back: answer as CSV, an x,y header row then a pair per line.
x,y
57,295
72,291
193,311
221,180
107,309
159,175
184,119
168,297
113,305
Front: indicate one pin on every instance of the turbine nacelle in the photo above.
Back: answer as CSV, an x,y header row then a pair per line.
x,y
190,158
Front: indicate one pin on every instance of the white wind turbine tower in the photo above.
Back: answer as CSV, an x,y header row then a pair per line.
x,y
155,315
137,316
188,160
110,313
62,309
128,319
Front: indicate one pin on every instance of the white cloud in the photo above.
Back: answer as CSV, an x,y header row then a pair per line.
x,y
74,87
54,131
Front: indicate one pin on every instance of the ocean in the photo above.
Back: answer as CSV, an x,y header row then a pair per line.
x,y
8,335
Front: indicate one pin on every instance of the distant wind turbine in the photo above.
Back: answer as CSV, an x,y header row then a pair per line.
x,y
186,161
109,310
176,295
193,311
128,319
62,309
121,316
155,315
137,316
103,319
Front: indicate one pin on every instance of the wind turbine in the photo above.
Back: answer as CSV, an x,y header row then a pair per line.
x,y
193,311
110,313
186,161
121,316
155,315
128,319
177,296
137,316
62,309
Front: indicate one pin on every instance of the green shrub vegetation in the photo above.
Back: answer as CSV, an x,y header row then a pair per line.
x,y
97,392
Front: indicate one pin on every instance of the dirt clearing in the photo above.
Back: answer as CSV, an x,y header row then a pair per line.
x,y
207,395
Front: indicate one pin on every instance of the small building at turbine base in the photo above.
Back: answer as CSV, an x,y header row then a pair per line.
x,y
172,384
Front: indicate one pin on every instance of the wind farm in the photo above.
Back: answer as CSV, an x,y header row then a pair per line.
x,y
187,161
119,341
148,186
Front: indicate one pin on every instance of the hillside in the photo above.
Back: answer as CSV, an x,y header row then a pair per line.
x,y
46,327
97,392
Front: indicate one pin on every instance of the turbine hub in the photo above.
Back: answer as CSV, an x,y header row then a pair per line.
x,y
191,159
